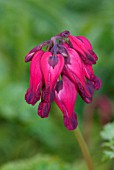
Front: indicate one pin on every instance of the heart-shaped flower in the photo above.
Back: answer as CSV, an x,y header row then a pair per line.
x,y
59,73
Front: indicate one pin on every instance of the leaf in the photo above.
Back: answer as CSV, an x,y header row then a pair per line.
x,y
108,155
108,132
107,135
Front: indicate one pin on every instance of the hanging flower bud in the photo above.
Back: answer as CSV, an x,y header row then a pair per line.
x,y
36,79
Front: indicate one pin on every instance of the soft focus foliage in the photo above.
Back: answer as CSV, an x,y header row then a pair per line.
x,y
107,135
38,162
23,25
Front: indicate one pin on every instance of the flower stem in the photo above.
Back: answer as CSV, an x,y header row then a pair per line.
x,y
84,148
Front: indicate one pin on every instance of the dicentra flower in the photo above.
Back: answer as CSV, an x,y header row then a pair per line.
x,y
60,73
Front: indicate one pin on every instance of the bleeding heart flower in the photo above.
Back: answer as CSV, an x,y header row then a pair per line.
x,y
65,98
75,71
84,49
51,68
60,73
36,80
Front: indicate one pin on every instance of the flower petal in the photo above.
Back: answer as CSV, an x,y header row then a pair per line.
x,y
88,45
89,73
30,55
86,42
33,93
45,105
88,56
65,98
51,68
76,73
44,109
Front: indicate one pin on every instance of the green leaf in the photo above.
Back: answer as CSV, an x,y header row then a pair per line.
x,y
108,154
108,141
108,132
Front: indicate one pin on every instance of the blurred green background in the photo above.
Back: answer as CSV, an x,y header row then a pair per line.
x,y
23,135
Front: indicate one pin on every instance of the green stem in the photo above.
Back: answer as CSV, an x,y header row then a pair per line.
x,y
84,148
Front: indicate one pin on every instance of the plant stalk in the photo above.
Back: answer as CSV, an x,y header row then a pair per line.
x,y
84,148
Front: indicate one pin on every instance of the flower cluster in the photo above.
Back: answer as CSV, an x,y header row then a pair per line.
x,y
59,73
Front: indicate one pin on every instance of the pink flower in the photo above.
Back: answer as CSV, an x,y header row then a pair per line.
x,y
84,49
60,73
50,74
36,79
65,98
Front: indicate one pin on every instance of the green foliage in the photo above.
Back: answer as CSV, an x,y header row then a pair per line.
x,y
23,25
108,141
46,162
24,134
39,162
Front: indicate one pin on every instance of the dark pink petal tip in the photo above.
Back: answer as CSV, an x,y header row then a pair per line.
x,y
44,109
97,82
71,122
53,60
64,33
48,95
31,97
87,92
30,55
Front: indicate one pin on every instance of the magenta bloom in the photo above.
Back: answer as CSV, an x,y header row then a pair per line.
x,y
60,73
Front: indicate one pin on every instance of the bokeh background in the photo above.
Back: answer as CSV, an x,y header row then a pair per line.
x,y
45,143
